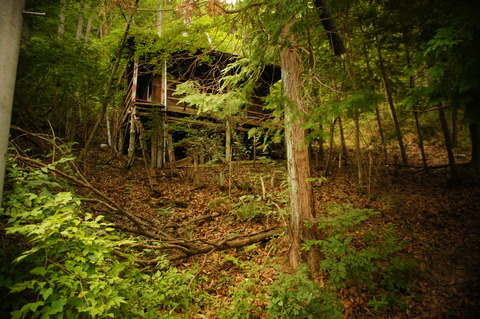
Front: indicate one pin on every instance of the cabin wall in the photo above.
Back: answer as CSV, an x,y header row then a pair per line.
x,y
157,89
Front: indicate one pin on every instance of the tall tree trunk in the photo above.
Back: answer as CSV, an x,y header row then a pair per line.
x,y
420,139
475,139
61,25
103,16
228,139
342,142
132,137
389,93
143,146
158,141
88,29
377,111
171,155
81,18
415,114
10,32
298,160
448,140
472,115
160,17
358,152
108,89
133,128
321,148
228,151
382,133
330,151
356,119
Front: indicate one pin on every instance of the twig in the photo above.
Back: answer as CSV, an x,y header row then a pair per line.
x,y
201,267
419,166
140,225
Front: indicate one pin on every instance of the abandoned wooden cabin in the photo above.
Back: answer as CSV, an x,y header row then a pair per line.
x,y
152,88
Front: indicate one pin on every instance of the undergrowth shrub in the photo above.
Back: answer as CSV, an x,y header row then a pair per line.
x,y
251,206
58,262
297,296
356,254
246,300
353,254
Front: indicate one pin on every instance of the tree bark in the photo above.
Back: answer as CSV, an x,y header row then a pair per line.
x,y
61,25
381,131
330,147
475,139
321,147
88,29
298,160
342,142
171,155
144,147
108,89
388,92
133,128
415,114
420,139
11,20
448,140
228,151
132,138
104,25
158,141
81,18
358,150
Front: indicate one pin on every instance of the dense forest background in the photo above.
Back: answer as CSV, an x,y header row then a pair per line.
x,y
357,197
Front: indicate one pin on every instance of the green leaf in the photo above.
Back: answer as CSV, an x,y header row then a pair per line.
x,y
58,305
82,294
46,292
38,271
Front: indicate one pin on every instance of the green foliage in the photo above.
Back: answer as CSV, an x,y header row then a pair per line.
x,y
60,262
223,104
271,132
204,141
246,297
251,206
297,296
59,81
361,101
353,255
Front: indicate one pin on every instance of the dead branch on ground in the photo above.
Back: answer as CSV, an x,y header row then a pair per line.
x,y
187,248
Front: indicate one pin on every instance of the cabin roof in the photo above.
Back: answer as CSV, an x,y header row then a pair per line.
x,y
207,68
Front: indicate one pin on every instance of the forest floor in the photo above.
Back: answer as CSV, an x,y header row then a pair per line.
x,y
436,220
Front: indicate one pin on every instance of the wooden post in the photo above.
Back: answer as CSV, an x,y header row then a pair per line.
x,y
158,141
228,151
11,20
133,128
171,155
228,140
132,137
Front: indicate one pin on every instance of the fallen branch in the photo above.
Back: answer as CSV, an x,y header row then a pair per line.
x,y
141,225
187,248
241,241
179,245
419,166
